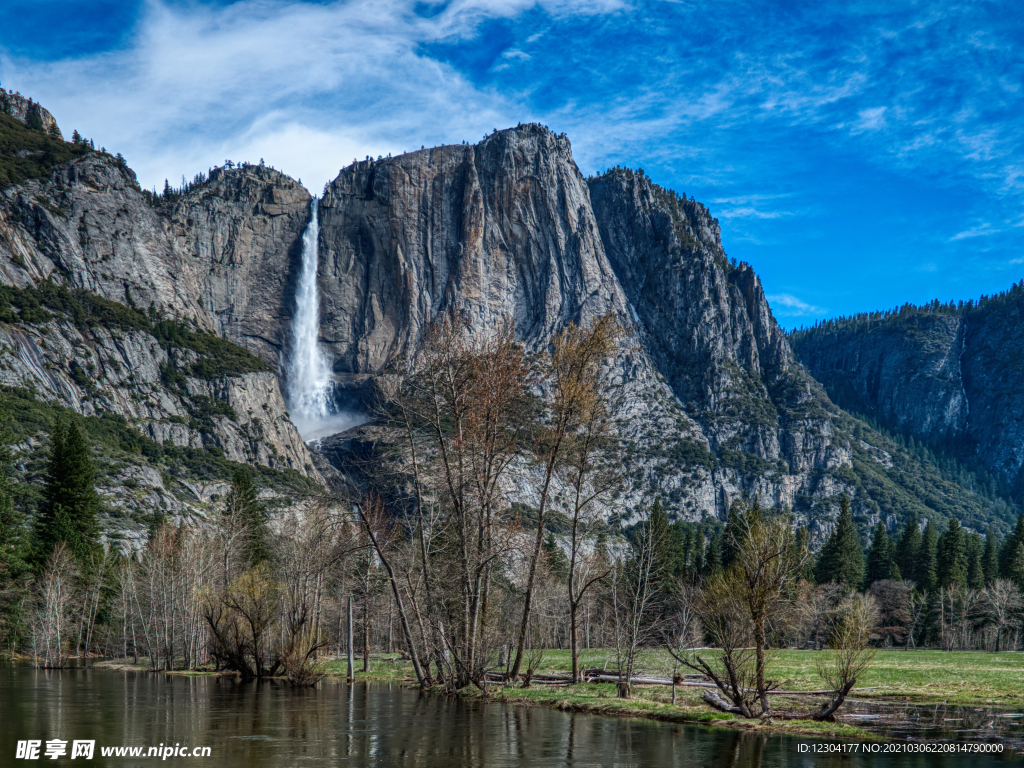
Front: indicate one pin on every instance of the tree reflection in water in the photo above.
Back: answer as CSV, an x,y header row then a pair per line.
x,y
258,725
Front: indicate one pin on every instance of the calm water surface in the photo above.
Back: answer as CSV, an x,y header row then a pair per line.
x,y
271,724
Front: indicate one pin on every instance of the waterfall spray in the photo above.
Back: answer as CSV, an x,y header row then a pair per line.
x,y
309,369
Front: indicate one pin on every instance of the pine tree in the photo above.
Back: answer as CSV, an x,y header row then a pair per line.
x,y
975,563
928,564
713,559
881,565
12,543
1009,549
952,553
242,500
664,561
70,502
557,560
734,531
842,559
1015,566
990,557
908,550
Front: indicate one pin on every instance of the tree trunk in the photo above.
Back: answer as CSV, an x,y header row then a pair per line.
x,y
827,711
366,635
351,646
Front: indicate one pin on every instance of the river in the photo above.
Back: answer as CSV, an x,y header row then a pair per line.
x,y
252,725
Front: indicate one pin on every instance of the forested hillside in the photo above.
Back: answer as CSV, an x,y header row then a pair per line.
x,y
945,375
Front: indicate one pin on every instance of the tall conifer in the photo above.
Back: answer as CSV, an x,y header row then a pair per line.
x,y
70,502
908,550
1008,551
927,565
243,501
842,559
975,562
990,557
953,556
881,565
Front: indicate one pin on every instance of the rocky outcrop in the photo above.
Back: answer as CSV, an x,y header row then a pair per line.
x,y
237,243
219,257
24,110
96,370
509,231
505,231
500,232
906,371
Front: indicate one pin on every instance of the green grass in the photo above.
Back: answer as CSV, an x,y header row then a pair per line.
x,y
920,677
380,671
929,676
926,676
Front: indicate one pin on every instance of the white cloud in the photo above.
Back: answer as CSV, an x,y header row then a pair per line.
x,y
306,87
979,231
870,119
790,306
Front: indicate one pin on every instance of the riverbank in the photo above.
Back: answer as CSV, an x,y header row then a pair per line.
x,y
914,678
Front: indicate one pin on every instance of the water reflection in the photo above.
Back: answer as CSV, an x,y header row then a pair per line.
x,y
271,724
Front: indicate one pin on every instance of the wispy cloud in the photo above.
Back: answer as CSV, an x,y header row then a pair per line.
x,y
981,230
790,306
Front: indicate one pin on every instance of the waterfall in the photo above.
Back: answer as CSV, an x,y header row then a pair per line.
x,y
310,381
309,369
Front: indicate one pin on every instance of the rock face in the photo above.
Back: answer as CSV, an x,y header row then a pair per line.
x,y
708,328
221,257
509,231
237,243
101,371
505,231
501,231
948,375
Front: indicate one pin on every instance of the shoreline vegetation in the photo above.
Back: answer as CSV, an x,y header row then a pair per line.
x,y
917,677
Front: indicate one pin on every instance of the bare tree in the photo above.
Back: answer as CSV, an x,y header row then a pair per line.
x,y
1003,601
382,534
55,597
732,666
895,610
849,653
311,545
757,587
467,413
634,597
242,623
576,428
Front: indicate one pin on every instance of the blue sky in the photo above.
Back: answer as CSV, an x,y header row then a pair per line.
x,y
858,154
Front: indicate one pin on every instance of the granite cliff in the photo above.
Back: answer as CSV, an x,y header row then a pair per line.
x,y
507,230
122,305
